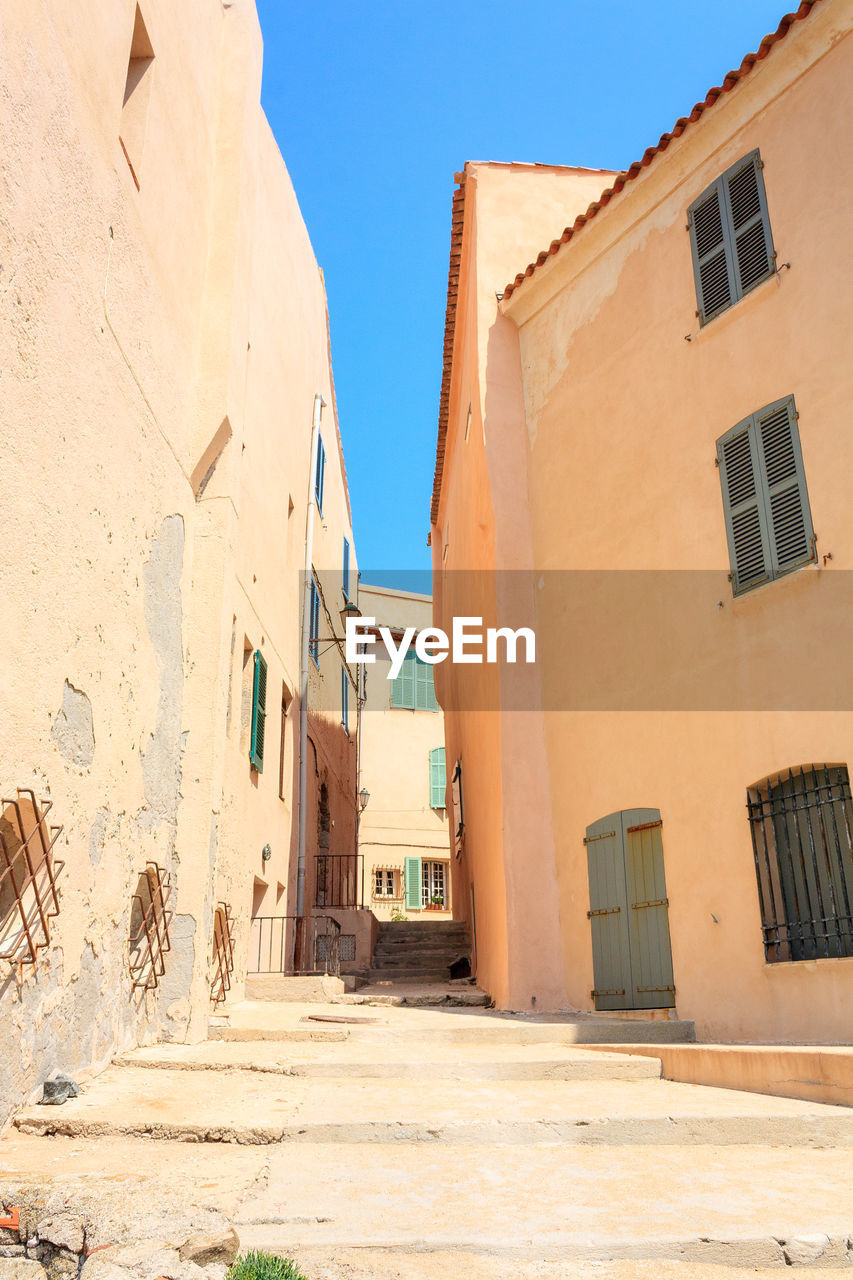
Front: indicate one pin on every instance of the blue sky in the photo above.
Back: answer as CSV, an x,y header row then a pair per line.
x,y
375,105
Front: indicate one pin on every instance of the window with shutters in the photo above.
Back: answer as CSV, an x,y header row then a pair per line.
x,y
434,884
437,779
730,238
413,688
765,500
801,823
320,474
259,712
345,571
386,883
344,698
314,624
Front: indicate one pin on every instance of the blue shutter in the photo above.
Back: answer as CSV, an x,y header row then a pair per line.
x,y
345,574
344,698
730,237
259,712
412,876
424,686
320,473
437,779
403,687
314,629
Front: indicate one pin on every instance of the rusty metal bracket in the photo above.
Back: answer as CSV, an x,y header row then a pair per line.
x,y
223,953
644,826
151,942
648,990
656,902
595,992
605,835
604,911
28,867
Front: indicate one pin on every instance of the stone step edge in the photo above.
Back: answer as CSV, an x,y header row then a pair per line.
x,y
735,1256
716,1131
552,1069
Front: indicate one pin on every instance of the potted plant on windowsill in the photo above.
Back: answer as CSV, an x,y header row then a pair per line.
x,y
436,903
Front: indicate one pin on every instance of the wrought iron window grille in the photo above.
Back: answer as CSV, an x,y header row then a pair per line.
x,y
149,929
223,953
28,874
802,838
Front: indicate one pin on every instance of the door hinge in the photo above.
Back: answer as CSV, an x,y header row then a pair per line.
x,y
655,902
648,990
595,992
605,835
603,911
644,826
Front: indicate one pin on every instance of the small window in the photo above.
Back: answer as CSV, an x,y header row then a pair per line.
x,y
259,712
137,97
345,571
730,237
386,883
413,688
320,474
801,824
437,778
344,697
765,501
314,636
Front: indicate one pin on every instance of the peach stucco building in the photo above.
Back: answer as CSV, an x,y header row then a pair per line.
x,y
170,447
404,836
664,819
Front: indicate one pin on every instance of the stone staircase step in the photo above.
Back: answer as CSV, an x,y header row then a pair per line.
x,y
251,1107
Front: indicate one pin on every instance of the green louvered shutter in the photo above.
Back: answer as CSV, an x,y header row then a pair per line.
x,y
437,779
403,687
412,876
750,225
743,505
259,712
787,500
424,686
712,264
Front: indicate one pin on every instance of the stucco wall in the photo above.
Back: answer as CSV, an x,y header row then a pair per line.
x,y
161,350
395,748
625,398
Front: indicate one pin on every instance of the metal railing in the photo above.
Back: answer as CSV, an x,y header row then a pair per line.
x,y
339,880
802,838
291,945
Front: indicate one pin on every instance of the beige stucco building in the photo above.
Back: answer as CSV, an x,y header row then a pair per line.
x,y
404,835
167,396
663,819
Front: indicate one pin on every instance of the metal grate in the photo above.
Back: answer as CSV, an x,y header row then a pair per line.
x,y
326,947
28,872
339,880
149,927
802,836
223,953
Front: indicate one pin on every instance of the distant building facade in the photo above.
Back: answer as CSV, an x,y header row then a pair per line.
x,y
404,835
170,448
664,391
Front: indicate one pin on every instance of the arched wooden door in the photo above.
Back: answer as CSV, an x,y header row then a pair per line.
x,y
629,912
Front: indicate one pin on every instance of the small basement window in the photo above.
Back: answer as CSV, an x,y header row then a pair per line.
x,y
28,873
801,824
137,96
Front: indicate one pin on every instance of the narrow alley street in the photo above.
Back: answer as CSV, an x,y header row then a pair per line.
x,y
340,1135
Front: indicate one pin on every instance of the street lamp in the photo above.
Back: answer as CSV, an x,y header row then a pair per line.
x,y
363,797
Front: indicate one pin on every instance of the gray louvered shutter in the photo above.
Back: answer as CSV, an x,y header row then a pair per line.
x,y
743,505
709,239
750,224
786,497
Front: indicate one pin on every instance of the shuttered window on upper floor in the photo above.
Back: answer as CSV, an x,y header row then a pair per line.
x,y
437,778
413,688
765,500
259,712
314,624
320,474
730,237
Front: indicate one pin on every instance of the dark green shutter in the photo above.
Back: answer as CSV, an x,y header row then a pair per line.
x,y
344,698
259,712
792,536
412,876
345,572
320,474
730,237
314,625
437,779
765,500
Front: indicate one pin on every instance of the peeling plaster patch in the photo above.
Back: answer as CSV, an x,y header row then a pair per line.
x,y
176,983
97,836
73,729
161,755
